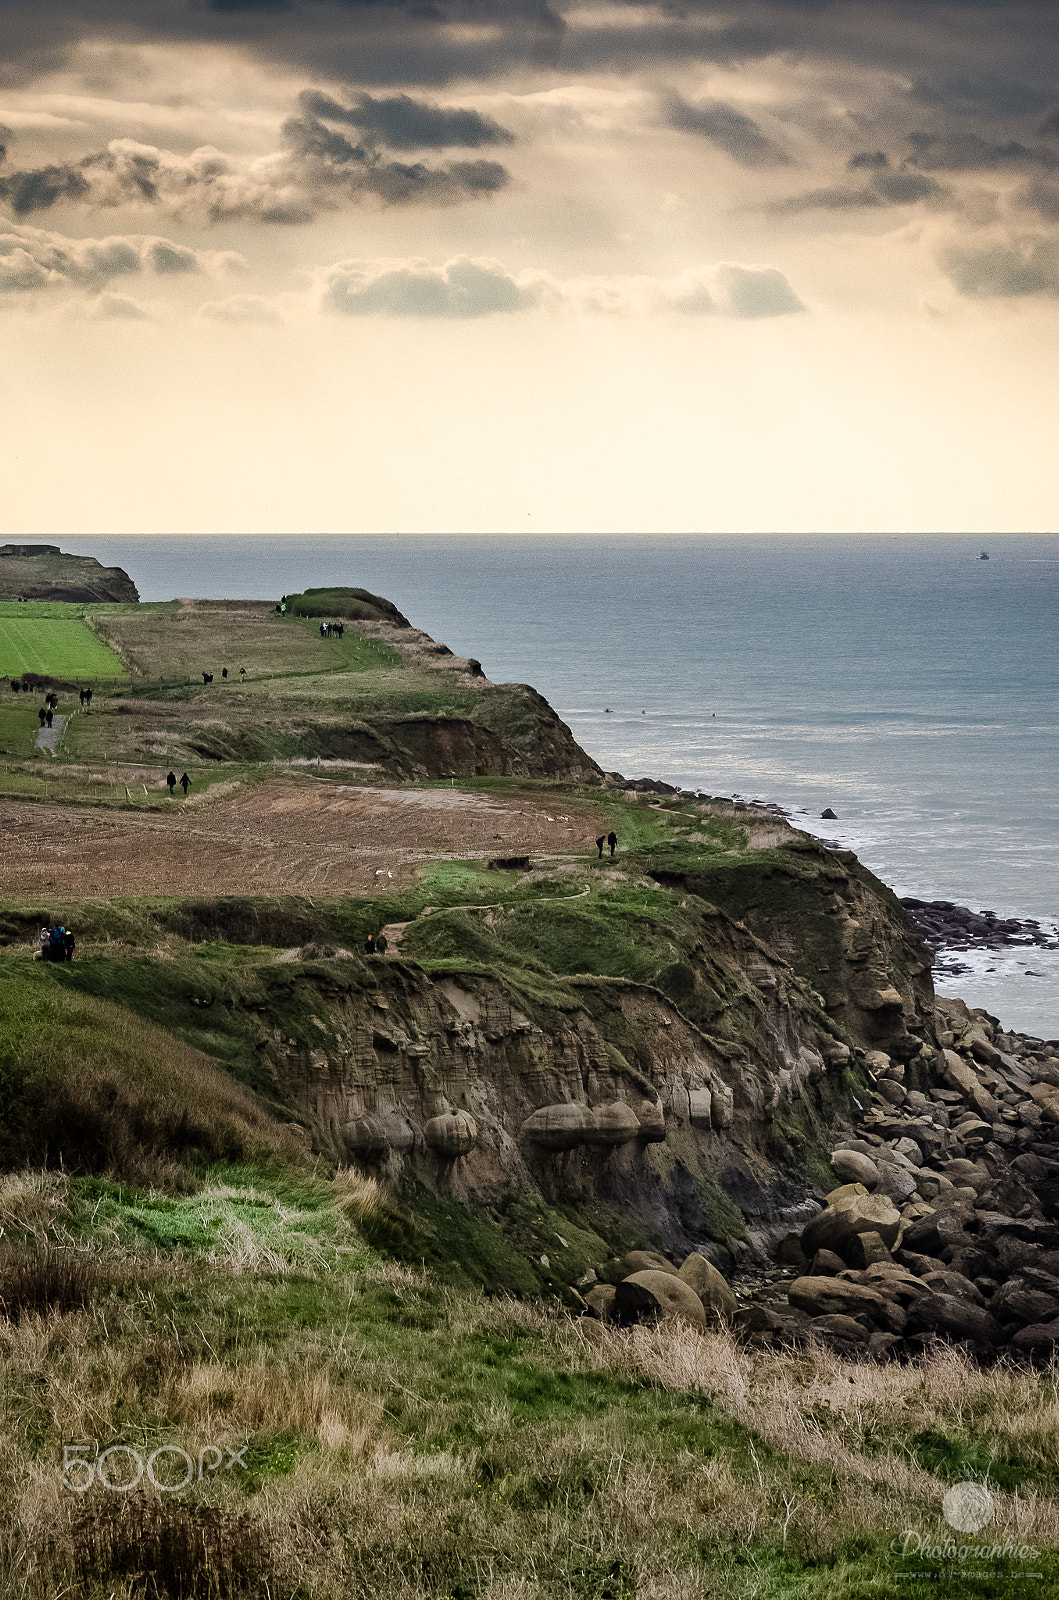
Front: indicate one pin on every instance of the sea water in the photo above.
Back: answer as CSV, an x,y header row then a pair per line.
x,y
901,681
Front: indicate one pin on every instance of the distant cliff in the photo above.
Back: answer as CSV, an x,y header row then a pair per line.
x,y
43,572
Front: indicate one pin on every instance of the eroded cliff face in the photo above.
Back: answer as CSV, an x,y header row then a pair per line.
x,y
606,1090
43,572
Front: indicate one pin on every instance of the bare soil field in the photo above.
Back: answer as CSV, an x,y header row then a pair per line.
x,y
286,836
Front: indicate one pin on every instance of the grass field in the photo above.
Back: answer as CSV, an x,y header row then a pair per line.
x,y
57,647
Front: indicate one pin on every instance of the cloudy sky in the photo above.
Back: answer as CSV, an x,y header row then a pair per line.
x,y
496,265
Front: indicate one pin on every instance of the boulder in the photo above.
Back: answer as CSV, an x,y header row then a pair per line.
x,y
1015,1302
840,1332
1039,1339
877,1061
652,1120
1047,1098
824,1297
648,1295
559,1127
614,1123
865,1250
868,1213
964,1078
943,1280
889,1090
645,1261
951,1318
854,1167
397,1132
452,1134
365,1137
896,1183
825,1264
700,1108
939,1231
723,1106
715,1294
600,1301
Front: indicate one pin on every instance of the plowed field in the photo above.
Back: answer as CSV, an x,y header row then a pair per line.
x,y
287,836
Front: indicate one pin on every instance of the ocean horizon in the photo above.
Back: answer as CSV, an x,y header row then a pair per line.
x,y
898,680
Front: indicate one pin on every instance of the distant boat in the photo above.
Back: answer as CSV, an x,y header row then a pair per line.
x,y
984,556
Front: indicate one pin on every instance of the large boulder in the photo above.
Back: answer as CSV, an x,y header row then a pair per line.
x,y
852,1167
615,1123
963,1077
949,1318
365,1137
858,1213
559,1127
645,1261
826,1297
452,1134
1039,1339
646,1296
711,1288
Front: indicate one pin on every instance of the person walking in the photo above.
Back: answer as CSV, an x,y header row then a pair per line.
x,y
381,942
369,944
185,783
42,713
170,779
48,716
600,842
612,839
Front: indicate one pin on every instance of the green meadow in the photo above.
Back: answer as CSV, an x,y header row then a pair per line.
x,y
59,644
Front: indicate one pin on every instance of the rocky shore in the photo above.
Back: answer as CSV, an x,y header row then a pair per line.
x,y
946,927
943,1225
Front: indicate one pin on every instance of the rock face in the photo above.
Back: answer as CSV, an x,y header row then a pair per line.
x,y
43,572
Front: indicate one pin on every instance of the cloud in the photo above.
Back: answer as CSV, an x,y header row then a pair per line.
x,y
1004,269
730,130
969,152
463,287
401,123
32,258
469,288
241,308
883,188
117,307
317,169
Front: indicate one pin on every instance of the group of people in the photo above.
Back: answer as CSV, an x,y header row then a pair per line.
x,y
332,630
86,698
376,944
610,839
184,781
56,944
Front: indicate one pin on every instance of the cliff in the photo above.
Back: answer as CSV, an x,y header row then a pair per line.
x,y
43,572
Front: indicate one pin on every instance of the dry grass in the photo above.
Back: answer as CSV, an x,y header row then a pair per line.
x,y
412,1443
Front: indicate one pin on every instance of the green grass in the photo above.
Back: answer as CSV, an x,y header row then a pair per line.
x,y
54,648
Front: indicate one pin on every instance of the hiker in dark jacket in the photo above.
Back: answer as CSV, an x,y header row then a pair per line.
x,y
170,779
612,839
185,783
381,942
369,944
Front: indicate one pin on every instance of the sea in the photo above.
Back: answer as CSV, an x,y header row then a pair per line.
x,y
905,682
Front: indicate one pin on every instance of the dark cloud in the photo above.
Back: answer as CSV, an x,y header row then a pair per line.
x,y
1042,196
884,188
401,123
868,161
317,169
1010,269
982,93
969,152
730,130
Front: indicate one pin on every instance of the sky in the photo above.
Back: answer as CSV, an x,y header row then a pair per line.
x,y
340,266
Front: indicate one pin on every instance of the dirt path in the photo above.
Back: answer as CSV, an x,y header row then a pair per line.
x,y
48,738
289,836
